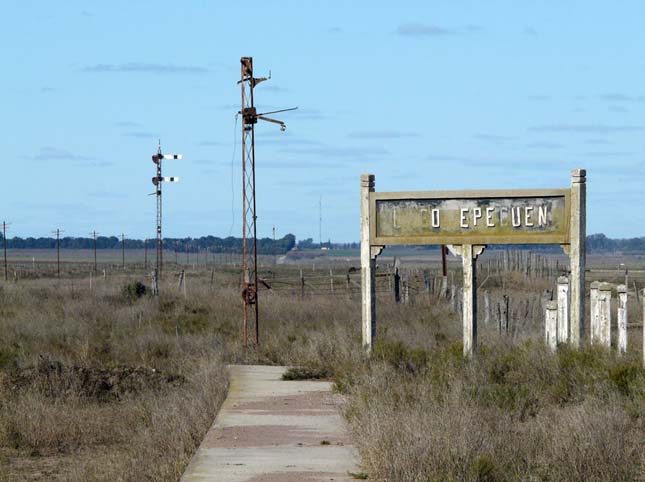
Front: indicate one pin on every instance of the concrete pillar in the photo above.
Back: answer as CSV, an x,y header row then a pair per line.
x,y
622,318
469,255
469,314
368,266
551,324
577,253
604,314
594,313
486,308
563,309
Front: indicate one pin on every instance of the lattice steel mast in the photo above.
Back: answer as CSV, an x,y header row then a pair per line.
x,y
249,218
157,181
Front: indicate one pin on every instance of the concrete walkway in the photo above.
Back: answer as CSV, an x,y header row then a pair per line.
x,y
270,430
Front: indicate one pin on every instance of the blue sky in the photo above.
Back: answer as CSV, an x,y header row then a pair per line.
x,y
425,95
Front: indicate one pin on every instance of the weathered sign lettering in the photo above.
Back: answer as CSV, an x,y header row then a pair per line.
x,y
467,221
509,217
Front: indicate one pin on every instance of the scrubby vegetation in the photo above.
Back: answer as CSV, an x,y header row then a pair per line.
x,y
97,386
113,384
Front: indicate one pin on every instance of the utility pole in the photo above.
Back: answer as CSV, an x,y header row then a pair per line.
x,y
57,233
94,233
444,270
123,250
250,117
4,242
320,221
158,180
275,251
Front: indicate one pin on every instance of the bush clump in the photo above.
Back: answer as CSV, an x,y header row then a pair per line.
x,y
135,290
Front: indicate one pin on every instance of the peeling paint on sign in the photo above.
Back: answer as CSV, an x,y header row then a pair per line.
x,y
513,219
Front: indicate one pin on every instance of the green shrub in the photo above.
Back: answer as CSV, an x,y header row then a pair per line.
x,y
627,378
135,290
483,469
403,358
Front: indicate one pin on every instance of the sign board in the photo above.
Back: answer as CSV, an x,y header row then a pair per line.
x,y
470,217
468,221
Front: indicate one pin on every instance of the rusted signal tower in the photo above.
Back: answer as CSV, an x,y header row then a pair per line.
x,y
157,181
250,117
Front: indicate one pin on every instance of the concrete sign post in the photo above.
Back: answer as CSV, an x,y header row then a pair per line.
x,y
550,325
621,315
368,265
563,309
594,312
577,254
467,221
604,314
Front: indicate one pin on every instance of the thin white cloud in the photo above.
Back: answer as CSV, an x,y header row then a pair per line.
x,y
146,68
588,128
415,29
58,154
617,97
381,134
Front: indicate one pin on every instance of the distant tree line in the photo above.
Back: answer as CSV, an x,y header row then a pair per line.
x,y
595,242
192,245
600,242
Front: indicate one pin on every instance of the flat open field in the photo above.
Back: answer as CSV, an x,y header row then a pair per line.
x,y
102,382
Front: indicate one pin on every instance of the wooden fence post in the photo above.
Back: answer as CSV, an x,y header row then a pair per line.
x,y
331,281
348,285
563,310
503,311
550,325
604,310
426,281
302,284
486,307
397,281
622,318
406,288
155,283
594,312
182,283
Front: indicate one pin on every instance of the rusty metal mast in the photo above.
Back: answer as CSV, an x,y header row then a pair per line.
x,y
250,117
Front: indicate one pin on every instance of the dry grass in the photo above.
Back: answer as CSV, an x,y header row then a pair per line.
x,y
100,387
516,414
80,399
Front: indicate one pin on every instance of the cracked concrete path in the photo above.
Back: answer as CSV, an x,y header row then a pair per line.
x,y
270,430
